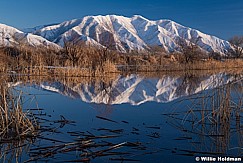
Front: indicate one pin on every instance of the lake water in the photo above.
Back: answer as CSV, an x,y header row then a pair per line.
x,y
135,119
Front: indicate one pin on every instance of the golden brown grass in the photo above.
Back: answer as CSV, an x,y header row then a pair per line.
x,y
14,122
18,128
82,60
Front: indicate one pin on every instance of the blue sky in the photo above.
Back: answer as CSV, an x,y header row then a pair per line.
x,y
222,18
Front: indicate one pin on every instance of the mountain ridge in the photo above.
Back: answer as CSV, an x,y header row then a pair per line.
x,y
131,33
121,33
10,36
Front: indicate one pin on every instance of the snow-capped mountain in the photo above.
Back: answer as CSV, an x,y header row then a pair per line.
x,y
125,34
10,36
30,30
136,90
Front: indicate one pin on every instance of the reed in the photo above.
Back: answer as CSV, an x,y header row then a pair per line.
x,y
18,128
211,119
15,124
83,60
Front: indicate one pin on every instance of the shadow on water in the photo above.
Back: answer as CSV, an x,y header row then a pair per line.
x,y
124,119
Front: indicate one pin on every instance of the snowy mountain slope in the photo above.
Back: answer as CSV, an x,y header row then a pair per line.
x,y
10,36
207,42
30,30
135,33
136,90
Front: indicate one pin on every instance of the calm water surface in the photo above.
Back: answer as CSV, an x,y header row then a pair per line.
x,y
170,119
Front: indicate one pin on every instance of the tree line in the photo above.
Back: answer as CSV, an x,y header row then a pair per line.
x,y
81,55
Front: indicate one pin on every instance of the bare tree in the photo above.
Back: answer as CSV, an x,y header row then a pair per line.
x,y
237,43
73,51
3,37
191,50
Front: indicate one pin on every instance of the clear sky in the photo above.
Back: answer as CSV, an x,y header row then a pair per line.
x,y
222,18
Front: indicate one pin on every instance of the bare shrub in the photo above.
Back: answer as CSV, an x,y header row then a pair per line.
x,y
237,43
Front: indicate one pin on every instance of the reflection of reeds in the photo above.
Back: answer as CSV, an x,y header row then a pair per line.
x,y
213,120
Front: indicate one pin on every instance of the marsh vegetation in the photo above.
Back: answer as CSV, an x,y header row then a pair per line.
x,y
214,119
79,59
18,127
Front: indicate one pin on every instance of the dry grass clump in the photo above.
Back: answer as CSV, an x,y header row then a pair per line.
x,y
14,122
18,129
109,67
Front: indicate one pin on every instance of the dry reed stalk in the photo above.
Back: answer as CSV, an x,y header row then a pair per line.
x,y
14,122
212,124
17,128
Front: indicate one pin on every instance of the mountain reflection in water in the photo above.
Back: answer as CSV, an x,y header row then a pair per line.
x,y
136,90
